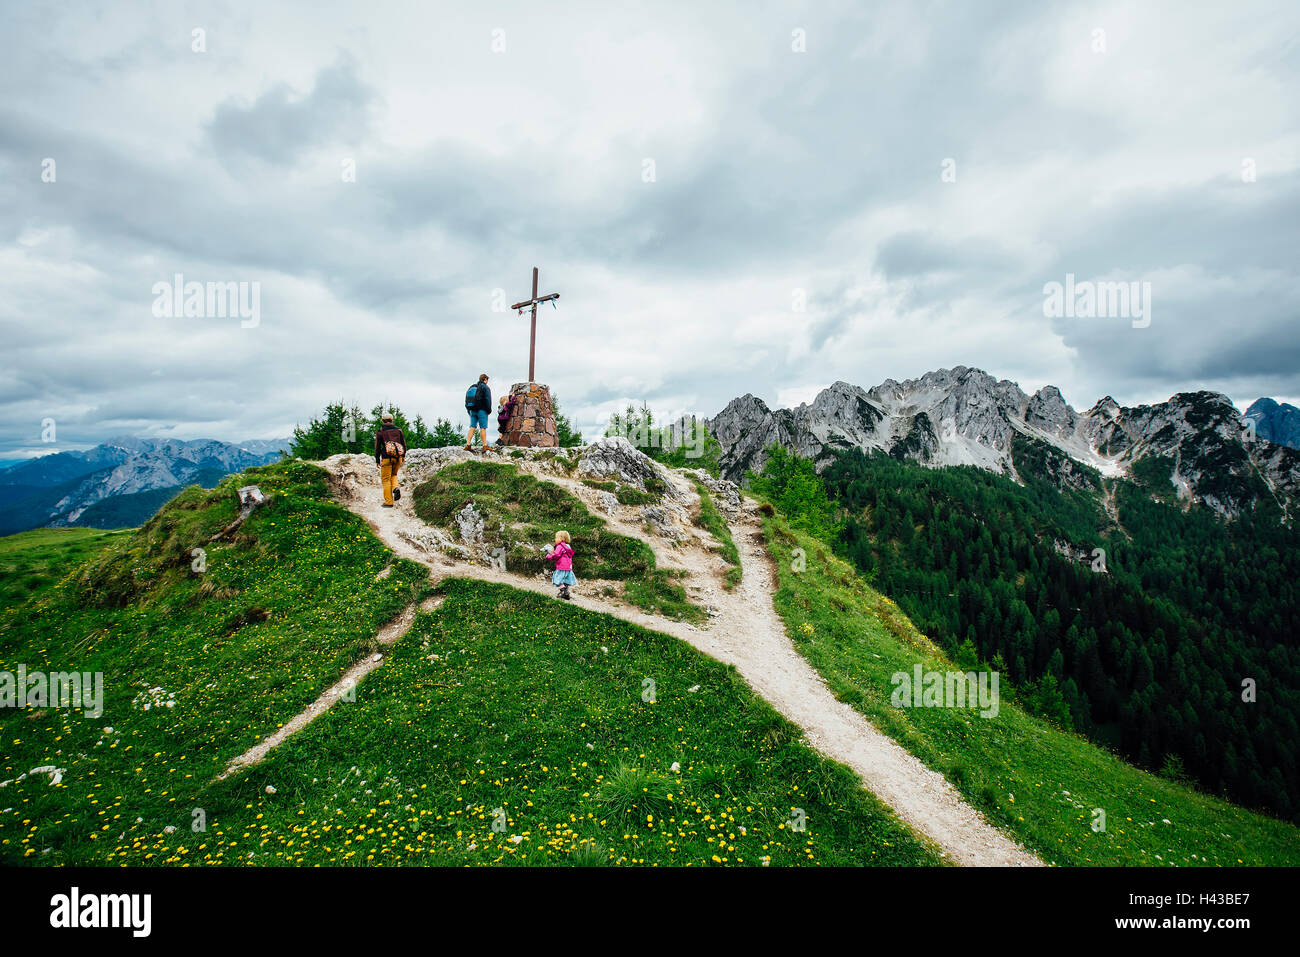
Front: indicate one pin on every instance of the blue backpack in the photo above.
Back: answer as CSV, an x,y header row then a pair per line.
x,y
471,397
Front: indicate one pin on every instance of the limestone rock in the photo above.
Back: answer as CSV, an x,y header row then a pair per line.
x,y
470,522
725,493
660,521
617,459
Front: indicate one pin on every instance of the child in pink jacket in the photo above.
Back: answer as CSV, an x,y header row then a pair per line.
x,y
561,555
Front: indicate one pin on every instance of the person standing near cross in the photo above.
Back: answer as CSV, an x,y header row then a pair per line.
x,y
478,403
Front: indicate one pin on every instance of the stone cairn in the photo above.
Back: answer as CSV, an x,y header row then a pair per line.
x,y
532,420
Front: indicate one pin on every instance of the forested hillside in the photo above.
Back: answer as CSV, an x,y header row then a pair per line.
x,y
1114,610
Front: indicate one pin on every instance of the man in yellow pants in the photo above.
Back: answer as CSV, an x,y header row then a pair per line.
x,y
390,449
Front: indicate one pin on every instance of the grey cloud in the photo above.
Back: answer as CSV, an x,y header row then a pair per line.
x,y
280,126
789,160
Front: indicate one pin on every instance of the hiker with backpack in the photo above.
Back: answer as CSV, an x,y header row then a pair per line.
x,y
390,451
478,403
561,556
505,407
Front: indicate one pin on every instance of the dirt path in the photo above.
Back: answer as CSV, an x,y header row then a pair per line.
x,y
744,631
337,692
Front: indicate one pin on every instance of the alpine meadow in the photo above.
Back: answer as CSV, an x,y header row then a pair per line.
x,y
520,452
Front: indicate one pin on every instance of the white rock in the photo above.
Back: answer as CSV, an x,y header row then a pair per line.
x,y
470,522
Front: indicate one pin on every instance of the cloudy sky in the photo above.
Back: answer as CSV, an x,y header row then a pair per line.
x,y
730,198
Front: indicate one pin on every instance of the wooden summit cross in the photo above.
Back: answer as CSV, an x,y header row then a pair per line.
x,y
532,337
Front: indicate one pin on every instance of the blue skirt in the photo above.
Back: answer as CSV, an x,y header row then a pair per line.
x,y
563,578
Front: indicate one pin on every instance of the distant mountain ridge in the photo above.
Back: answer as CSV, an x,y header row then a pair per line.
x,y
963,416
1278,422
119,482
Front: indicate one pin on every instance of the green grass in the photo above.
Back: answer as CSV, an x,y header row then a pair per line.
x,y
280,612
1039,783
711,520
626,494
498,699
521,515
31,562
502,706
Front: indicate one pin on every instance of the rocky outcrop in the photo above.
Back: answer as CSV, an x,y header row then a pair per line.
x,y
470,523
660,521
1049,412
615,458
725,493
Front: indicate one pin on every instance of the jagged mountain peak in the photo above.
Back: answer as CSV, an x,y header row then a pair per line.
x,y
1105,407
837,389
1048,410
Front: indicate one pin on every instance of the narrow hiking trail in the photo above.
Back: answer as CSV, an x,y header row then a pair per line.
x,y
743,630
388,635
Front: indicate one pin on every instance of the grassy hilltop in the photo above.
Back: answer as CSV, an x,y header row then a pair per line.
x,y
499,699
503,727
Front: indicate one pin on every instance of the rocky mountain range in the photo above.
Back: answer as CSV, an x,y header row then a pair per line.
x,y
964,416
120,482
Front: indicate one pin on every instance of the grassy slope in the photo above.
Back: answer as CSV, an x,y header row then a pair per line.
x,y
1038,782
506,700
713,522
31,562
501,717
521,515
278,615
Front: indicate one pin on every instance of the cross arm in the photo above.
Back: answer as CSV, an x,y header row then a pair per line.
x,y
539,299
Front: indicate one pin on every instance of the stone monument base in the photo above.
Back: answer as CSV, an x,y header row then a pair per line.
x,y
532,420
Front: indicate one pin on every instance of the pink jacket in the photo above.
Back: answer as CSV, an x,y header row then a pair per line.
x,y
562,556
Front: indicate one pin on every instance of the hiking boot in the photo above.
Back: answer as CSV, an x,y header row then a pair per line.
x,y
469,448
564,593
388,505
397,494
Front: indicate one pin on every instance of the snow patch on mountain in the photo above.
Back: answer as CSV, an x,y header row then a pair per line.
x,y
964,416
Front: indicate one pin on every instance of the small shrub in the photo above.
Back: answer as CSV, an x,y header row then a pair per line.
x,y
631,789
588,854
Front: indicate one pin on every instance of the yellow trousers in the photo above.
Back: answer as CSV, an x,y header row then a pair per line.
x,y
388,475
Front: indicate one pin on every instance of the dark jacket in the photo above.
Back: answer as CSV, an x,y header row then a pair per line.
x,y
504,415
389,433
484,398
